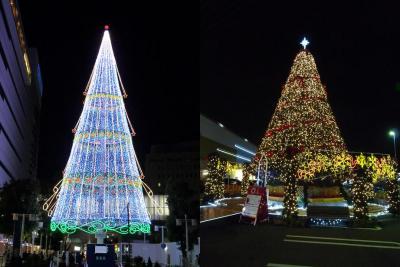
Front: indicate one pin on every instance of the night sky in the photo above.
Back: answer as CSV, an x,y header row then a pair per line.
x,y
155,60
247,49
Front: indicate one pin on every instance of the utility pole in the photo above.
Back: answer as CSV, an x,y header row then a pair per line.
x,y
179,223
22,234
46,245
187,238
129,226
128,263
163,245
32,217
157,227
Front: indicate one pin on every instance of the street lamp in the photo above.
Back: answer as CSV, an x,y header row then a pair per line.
x,y
163,245
179,223
393,134
32,217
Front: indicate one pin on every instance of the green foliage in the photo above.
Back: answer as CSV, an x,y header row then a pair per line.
x,y
137,261
183,198
20,196
393,195
245,181
214,184
360,192
149,263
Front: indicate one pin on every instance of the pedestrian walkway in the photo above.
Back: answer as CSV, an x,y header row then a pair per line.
x,y
227,207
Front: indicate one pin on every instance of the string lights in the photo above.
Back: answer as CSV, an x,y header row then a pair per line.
x,y
303,144
363,172
302,124
214,184
246,179
102,178
326,222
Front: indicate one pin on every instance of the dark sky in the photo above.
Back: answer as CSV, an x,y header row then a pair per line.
x,y
248,47
156,64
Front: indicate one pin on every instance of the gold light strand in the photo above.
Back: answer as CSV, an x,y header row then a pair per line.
x,y
214,184
302,124
246,179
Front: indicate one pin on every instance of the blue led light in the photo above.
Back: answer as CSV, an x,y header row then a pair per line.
x,y
102,174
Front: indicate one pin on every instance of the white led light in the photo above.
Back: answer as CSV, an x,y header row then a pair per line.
x,y
245,150
231,154
304,42
102,177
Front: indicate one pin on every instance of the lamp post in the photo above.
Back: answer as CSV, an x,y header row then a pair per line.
x,y
179,223
393,134
32,217
265,173
163,245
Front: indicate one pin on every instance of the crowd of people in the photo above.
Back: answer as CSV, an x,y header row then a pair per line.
x,y
41,260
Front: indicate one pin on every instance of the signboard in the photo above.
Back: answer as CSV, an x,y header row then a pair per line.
x,y
251,206
255,208
100,249
100,255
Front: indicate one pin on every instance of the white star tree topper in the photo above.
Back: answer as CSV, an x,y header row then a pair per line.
x,y
304,42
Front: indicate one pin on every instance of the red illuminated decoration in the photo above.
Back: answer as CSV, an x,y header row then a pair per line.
x,y
256,206
106,27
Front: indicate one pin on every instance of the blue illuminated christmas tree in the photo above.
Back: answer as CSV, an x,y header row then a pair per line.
x,y
102,187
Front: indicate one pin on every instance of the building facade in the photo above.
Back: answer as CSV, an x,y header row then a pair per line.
x,y
175,161
236,150
20,98
166,162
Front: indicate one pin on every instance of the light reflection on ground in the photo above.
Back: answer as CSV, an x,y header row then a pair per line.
x,y
231,206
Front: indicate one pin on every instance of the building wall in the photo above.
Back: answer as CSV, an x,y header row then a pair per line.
x,y
214,138
20,94
157,207
166,162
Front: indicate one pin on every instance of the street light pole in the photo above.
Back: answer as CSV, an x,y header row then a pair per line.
x,y
393,133
163,245
22,234
187,238
394,145
179,223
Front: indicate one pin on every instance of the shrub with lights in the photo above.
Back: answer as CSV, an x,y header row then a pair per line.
x,y
214,184
362,172
393,194
246,179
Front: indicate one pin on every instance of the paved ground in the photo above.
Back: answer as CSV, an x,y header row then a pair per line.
x,y
231,206
225,242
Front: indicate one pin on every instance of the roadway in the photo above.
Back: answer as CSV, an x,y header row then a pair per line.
x,y
225,242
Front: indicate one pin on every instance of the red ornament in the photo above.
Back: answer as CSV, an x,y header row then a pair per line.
x,y
106,27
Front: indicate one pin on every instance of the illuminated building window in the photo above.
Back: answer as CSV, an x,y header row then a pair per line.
x,y
21,38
